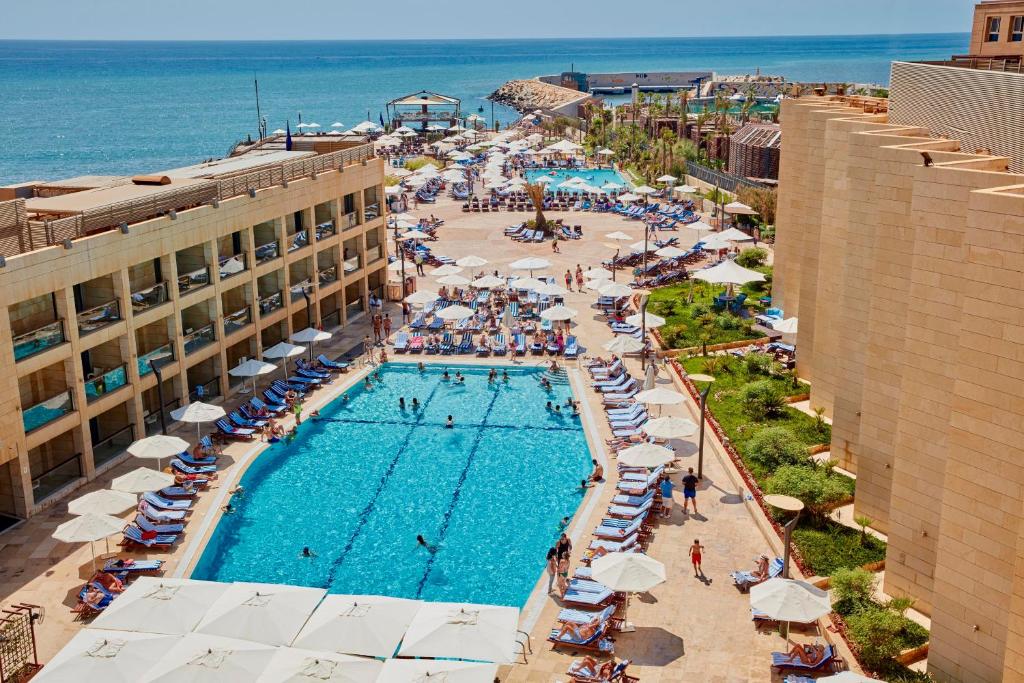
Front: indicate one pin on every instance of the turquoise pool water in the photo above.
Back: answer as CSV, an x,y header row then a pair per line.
x,y
358,485
594,176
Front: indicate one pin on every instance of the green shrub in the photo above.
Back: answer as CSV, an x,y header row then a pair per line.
x,y
773,447
727,322
876,632
759,364
420,162
762,399
831,546
752,258
852,589
814,486
699,310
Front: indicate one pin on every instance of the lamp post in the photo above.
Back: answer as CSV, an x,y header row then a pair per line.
x,y
159,387
309,313
789,504
700,447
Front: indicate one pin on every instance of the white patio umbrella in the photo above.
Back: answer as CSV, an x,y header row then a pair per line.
x,y
700,226
646,455
628,572
558,313
367,625
202,658
739,208
402,216
605,152
283,350
295,665
402,224
142,480
596,285
337,124
415,235
393,190
160,605
660,397
551,289
597,273
670,252
544,180
108,656
619,236
310,335
456,312
531,264
564,146
685,189
103,502
483,633
628,197
624,343
645,190
789,600
421,298
88,528
272,614
527,283
714,243
669,428
436,671
279,131
158,447
198,412
729,272
667,179
488,282
454,280
787,326
642,246
650,321
252,368
615,289
612,187
471,262
445,270
734,235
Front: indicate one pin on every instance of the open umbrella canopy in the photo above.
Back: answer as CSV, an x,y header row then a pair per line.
x,y
559,313
645,189
265,613
527,283
670,252
455,312
787,326
436,671
87,528
488,282
530,263
700,226
283,350
445,270
142,480
454,280
734,235
646,455
421,298
415,235
367,625
650,321
628,197
310,335
252,368
597,274
202,658
108,656
483,633
618,236
628,572
715,243
564,146
667,179
295,665
160,605
157,447
551,289
103,502
615,289
660,397
605,152
670,428
642,246
685,189
623,343
729,272
198,412
790,600
471,262
596,285
739,208
841,677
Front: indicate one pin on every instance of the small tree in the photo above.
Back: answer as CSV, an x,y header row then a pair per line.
x,y
753,257
852,589
773,447
536,193
819,419
818,490
759,364
863,521
762,399
760,199
877,633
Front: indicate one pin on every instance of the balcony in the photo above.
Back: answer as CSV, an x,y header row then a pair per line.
x,y
194,280
147,298
374,253
107,449
54,479
98,317
233,322
354,263
42,414
327,275
299,287
268,252
232,265
106,383
39,340
196,340
205,391
353,308
349,221
297,241
271,302
164,353
325,230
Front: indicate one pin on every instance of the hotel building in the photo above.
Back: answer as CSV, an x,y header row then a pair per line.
x,y
111,285
900,247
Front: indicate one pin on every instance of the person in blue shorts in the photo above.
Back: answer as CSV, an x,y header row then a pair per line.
x,y
666,497
690,490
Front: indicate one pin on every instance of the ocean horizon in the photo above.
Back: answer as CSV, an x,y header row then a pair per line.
x,y
122,107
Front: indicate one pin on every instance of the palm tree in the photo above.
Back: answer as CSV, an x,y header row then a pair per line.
x,y
684,108
536,193
668,141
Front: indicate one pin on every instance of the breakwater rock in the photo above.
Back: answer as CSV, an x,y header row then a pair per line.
x,y
528,95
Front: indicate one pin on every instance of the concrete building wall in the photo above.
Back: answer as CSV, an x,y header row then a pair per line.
x,y
1003,46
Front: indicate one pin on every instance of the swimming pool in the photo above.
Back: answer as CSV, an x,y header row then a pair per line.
x,y
595,177
358,486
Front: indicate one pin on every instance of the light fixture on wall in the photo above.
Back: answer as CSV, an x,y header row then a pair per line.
x,y
252,192
67,244
172,214
927,159
215,203
3,262
124,228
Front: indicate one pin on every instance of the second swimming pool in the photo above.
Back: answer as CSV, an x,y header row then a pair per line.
x,y
358,486
595,177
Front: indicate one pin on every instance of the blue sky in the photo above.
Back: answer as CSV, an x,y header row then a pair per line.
x,y
355,19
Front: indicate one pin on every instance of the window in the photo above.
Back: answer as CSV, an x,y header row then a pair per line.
x,y
992,25
1017,29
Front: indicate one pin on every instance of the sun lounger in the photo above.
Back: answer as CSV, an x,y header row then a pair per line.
x,y
271,401
161,516
745,579
305,383
419,322
782,661
580,672
87,609
182,467
181,491
244,422
582,616
158,501
133,535
193,462
466,345
611,528
620,398
500,347
598,642
630,511
402,342
520,344
132,566
614,546
416,343
635,501
572,347
146,525
233,432
446,345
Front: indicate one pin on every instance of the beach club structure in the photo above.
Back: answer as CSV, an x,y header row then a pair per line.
x,y
111,284
900,247
424,109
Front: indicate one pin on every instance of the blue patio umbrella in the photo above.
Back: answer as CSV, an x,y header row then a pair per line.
x,y
288,136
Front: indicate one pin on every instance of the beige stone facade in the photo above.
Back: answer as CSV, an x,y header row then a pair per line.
x,y
209,284
907,275
998,28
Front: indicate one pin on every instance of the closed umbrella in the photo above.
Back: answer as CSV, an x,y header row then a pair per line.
x,y
531,264
456,312
646,455
483,633
624,344
551,289
252,368
488,282
88,528
198,412
454,280
142,480
295,665
650,376
201,658
108,656
366,625
649,320
660,397
559,313
160,605
436,671
669,428
102,502
421,298
445,270
158,447
265,613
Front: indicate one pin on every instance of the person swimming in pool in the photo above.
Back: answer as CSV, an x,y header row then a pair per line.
x,y
445,376
401,402
306,552
504,376
421,367
449,423
422,542
415,403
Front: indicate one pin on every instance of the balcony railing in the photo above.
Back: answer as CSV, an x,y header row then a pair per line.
x,y
233,265
233,322
54,479
109,381
331,320
297,241
194,280
47,411
152,419
353,263
98,317
207,390
350,220
107,449
268,252
196,340
144,365
353,308
372,209
271,302
299,287
325,230
39,340
149,297
328,275
374,253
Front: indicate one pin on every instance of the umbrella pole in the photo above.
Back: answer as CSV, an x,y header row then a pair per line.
x,y
92,551
627,625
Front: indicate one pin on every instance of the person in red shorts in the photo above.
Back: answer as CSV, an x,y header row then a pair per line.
x,y
695,556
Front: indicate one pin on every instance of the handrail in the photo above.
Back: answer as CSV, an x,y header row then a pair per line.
x,y
109,381
268,252
271,302
148,297
237,320
207,332
144,366
108,313
70,475
38,340
200,277
42,413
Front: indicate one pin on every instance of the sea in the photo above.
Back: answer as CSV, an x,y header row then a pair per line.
x,y
71,108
